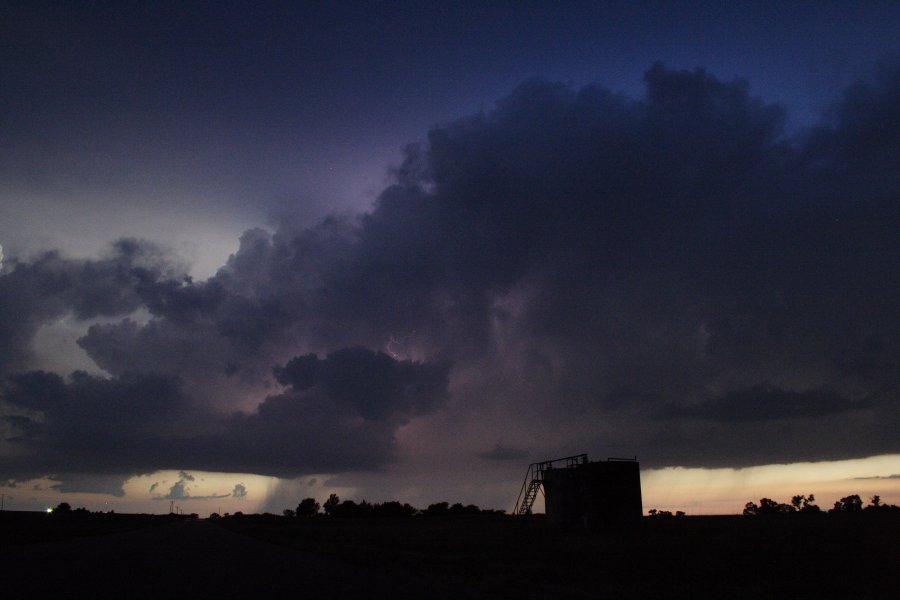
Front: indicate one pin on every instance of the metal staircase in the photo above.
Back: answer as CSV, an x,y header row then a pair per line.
x,y
524,507
534,481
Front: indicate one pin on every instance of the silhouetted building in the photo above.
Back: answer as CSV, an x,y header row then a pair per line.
x,y
592,494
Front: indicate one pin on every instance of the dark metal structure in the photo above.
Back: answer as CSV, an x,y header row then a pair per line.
x,y
579,492
534,479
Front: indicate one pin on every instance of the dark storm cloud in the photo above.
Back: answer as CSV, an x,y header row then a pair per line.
x,y
762,403
677,250
240,322
51,286
372,383
89,424
92,484
142,422
673,276
339,413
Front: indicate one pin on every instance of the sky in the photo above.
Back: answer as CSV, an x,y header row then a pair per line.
x,y
253,252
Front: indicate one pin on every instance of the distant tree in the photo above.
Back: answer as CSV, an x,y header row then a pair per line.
x,y
347,508
308,507
214,516
459,509
659,513
848,504
679,513
365,509
876,505
63,508
438,509
289,513
393,509
804,504
330,504
767,506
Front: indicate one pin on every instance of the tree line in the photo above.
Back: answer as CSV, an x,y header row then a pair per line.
x,y
802,504
335,507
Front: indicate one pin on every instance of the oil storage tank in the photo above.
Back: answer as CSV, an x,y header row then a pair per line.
x,y
593,494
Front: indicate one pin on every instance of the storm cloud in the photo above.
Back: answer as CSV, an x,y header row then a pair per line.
x,y
137,423
36,292
673,276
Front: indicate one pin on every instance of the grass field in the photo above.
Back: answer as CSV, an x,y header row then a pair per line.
x,y
723,556
22,527
495,556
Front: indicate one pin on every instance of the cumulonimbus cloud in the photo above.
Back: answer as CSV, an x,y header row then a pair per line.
x,y
675,275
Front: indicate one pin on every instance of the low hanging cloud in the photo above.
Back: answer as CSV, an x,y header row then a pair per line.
x,y
673,276
89,483
764,403
143,422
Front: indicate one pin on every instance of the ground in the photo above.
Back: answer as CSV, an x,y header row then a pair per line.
x,y
461,557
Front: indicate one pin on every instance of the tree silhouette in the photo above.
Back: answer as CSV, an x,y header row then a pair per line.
x,y
308,507
438,509
349,508
875,505
393,509
848,504
330,504
771,507
804,504
459,509
767,506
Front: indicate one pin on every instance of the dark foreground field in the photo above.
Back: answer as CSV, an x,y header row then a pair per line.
x,y
717,557
469,557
